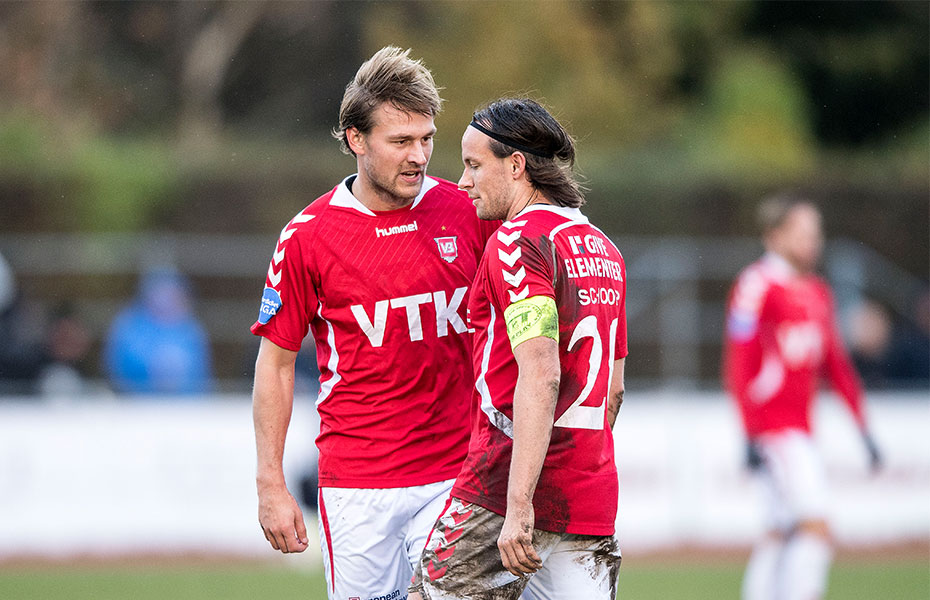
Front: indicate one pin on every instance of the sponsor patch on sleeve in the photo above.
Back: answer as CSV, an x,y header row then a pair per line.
x,y
532,317
271,302
742,325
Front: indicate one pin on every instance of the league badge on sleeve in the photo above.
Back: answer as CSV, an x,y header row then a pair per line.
x,y
271,302
448,249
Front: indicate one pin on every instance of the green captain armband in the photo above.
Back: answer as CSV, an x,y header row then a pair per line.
x,y
530,318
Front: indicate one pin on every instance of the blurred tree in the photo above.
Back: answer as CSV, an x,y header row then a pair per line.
x,y
607,69
216,37
864,65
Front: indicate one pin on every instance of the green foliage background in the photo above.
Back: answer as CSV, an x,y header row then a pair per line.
x,y
666,99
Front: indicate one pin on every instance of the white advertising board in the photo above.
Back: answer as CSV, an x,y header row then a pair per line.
x,y
109,478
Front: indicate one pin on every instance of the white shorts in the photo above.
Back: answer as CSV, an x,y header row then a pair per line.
x,y
461,560
793,481
371,538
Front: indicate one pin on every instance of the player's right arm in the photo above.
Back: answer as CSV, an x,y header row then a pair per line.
x,y
742,347
272,402
534,400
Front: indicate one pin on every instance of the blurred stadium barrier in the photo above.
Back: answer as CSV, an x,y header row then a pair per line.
x,y
106,478
677,292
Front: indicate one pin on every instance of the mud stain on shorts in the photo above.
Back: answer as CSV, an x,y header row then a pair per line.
x,y
604,557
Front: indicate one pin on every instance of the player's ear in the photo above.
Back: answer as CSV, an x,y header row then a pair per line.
x,y
517,164
356,140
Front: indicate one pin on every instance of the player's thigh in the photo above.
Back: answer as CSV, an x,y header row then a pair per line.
x,y
362,537
427,504
795,479
578,567
461,559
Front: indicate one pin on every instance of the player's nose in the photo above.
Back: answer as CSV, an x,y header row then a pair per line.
x,y
465,181
417,155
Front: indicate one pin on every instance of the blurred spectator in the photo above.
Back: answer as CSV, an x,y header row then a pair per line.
x,y
67,343
156,345
870,341
39,351
909,356
22,352
891,353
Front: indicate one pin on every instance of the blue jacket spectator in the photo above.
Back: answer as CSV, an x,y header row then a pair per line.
x,y
156,345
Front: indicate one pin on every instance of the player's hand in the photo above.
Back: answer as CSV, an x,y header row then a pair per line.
x,y
876,462
282,520
516,541
754,460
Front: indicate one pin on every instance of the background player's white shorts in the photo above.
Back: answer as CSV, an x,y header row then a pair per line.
x,y
461,560
793,481
371,538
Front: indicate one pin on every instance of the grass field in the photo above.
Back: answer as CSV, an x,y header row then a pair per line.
x,y
852,580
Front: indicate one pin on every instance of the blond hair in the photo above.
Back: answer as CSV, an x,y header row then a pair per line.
x,y
390,75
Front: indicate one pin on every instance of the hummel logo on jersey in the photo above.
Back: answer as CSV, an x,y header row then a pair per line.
x,y
396,229
448,249
446,314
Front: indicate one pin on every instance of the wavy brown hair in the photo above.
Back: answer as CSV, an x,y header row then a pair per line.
x,y
388,76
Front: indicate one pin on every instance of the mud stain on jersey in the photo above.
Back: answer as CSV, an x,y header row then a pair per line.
x,y
554,509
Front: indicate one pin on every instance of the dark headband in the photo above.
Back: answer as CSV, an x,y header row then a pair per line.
x,y
509,141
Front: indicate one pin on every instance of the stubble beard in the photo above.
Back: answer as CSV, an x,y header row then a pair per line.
x,y
487,212
492,210
388,191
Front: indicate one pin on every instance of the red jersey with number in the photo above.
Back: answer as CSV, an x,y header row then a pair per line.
x,y
384,295
555,252
781,337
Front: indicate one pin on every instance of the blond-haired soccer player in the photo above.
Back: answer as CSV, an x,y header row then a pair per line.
x,y
378,270
781,336
532,511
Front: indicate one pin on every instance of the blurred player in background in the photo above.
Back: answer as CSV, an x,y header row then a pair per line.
x,y
379,270
781,336
533,508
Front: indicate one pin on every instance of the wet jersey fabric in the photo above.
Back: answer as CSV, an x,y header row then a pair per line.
x,y
552,252
384,296
781,339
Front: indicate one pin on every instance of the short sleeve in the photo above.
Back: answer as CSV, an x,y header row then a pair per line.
x,y
289,299
745,309
519,266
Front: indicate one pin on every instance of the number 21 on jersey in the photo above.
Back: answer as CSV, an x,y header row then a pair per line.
x,y
579,416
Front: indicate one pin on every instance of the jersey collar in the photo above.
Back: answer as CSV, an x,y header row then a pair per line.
x,y
343,196
779,266
573,214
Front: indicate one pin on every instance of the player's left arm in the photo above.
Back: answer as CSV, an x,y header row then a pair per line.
x,y
842,374
615,392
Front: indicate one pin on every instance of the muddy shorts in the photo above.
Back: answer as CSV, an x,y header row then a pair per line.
x,y
461,560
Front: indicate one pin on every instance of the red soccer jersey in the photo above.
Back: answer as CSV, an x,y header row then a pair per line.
x,y
554,252
384,295
781,336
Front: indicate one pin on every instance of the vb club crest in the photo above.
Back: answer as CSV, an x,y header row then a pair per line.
x,y
447,248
